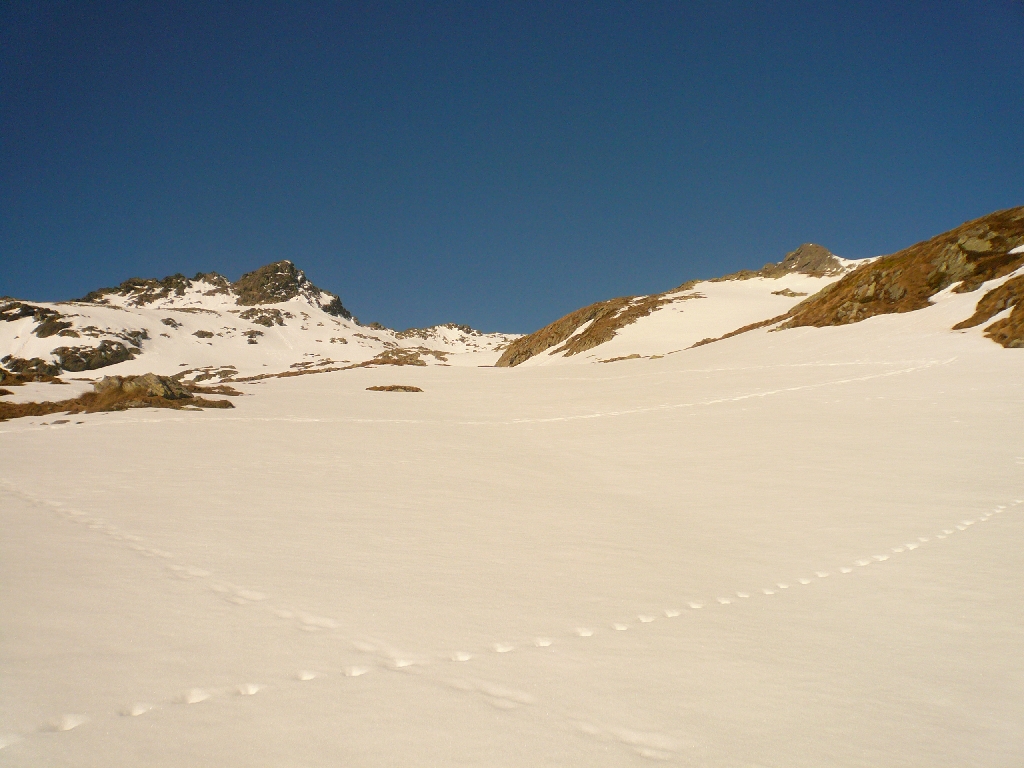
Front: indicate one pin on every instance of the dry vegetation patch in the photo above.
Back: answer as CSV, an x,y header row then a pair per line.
x,y
119,393
606,318
971,254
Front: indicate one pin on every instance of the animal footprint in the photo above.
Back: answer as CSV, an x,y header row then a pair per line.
x,y
8,739
768,591
305,675
696,606
620,627
542,642
584,632
70,722
804,581
137,709
671,613
195,696
645,619
502,648
461,656
356,671
249,689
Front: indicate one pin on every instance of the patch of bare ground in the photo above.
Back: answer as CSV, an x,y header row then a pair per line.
x,y
15,378
387,357
971,254
744,329
117,393
1010,330
605,318
634,356
788,292
394,388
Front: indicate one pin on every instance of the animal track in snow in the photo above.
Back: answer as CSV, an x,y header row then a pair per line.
x,y
195,696
500,697
69,722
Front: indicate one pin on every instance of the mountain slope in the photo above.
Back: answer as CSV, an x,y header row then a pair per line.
x,y
674,320
270,320
966,257
986,253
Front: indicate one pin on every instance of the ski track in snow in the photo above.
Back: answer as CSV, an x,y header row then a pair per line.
x,y
919,366
437,670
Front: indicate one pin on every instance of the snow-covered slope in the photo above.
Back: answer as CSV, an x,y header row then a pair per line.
x,y
271,320
786,549
789,548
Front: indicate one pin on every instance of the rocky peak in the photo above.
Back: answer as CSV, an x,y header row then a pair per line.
x,y
282,281
271,284
808,259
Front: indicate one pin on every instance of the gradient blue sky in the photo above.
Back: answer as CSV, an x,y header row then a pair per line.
x,y
493,163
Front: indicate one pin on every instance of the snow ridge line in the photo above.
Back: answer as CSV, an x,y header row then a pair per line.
x,y
653,746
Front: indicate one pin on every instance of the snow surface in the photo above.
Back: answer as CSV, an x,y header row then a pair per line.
x,y
798,548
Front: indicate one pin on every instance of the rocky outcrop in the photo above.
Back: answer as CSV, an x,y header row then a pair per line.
x,y
270,284
37,368
905,281
141,291
1009,331
809,259
394,388
76,359
118,393
282,281
146,385
267,316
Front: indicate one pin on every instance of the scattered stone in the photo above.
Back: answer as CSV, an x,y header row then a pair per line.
x,y
203,334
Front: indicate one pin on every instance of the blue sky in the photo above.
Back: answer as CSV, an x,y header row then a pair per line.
x,y
493,163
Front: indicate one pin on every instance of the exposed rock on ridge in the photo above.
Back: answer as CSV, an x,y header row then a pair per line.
x,y
270,284
808,259
971,254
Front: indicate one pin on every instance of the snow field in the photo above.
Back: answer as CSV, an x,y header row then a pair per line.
x,y
785,549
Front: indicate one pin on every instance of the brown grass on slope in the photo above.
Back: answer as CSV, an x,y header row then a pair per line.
x,y
905,281
606,318
112,395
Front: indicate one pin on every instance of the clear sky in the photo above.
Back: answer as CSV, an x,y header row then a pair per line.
x,y
493,163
